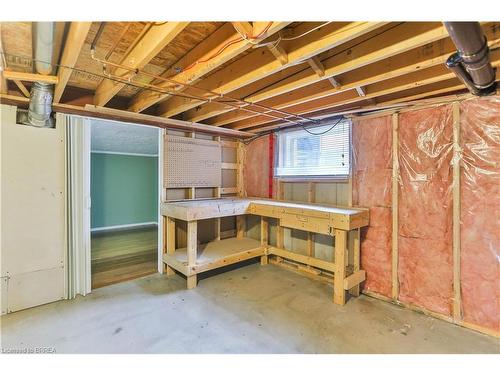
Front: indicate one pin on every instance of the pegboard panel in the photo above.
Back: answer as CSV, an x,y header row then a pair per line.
x,y
191,162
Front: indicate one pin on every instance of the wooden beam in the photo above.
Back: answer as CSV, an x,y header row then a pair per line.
x,y
457,295
398,40
354,280
340,267
260,64
214,51
76,38
126,116
153,41
192,250
169,229
23,88
427,76
30,77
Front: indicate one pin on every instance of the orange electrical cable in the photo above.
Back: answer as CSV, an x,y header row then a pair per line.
x,y
223,48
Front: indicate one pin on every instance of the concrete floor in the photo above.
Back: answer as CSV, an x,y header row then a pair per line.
x,y
252,309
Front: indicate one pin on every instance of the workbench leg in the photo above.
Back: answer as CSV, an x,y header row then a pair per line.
x,y
169,230
340,266
356,260
192,244
280,239
240,226
264,238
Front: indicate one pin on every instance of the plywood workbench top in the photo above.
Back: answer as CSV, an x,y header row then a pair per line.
x,y
189,210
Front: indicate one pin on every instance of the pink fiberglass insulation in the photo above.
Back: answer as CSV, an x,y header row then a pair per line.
x,y
480,211
425,261
372,170
256,168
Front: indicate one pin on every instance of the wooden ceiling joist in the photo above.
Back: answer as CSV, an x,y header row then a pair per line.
x,y
417,79
260,64
397,40
30,77
416,59
76,38
153,41
220,47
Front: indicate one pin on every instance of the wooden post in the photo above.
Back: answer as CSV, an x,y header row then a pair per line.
x,y
192,244
457,297
264,238
217,195
395,178
356,259
169,234
340,266
240,160
311,197
280,234
240,226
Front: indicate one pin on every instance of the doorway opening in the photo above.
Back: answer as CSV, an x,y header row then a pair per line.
x,y
124,180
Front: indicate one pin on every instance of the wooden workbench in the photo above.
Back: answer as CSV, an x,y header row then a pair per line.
x,y
315,218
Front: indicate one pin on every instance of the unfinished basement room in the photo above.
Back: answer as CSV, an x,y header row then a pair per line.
x,y
270,182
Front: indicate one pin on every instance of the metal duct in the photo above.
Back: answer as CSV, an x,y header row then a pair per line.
x,y
471,63
47,39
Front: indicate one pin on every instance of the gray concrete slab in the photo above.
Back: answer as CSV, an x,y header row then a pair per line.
x,y
251,309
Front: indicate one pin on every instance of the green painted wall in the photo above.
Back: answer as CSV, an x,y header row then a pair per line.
x,y
124,189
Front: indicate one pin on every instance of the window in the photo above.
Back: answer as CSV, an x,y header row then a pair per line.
x,y
325,154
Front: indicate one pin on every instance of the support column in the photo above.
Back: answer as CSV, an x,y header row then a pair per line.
x,y
264,238
192,244
340,266
169,232
356,259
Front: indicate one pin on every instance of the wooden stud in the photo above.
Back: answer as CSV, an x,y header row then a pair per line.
x,y
395,189
240,160
217,194
311,197
74,42
264,238
356,259
23,88
361,91
3,65
340,267
192,245
169,240
457,297
240,226
152,42
317,66
279,53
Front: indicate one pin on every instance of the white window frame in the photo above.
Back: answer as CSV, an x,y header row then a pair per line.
x,y
336,177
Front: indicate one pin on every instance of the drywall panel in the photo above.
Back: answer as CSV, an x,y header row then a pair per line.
x,y
33,199
33,211
425,268
372,188
191,162
35,288
480,211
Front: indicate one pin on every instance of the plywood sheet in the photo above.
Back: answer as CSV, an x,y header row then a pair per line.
x,y
191,162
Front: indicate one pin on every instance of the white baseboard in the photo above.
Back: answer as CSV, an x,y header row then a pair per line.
x,y
124,226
